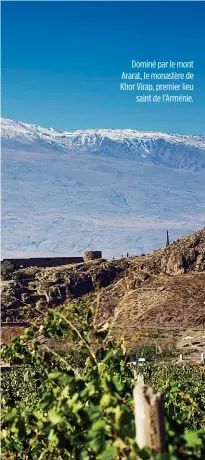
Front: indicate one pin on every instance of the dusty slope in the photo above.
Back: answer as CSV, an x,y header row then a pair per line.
x,y
164,289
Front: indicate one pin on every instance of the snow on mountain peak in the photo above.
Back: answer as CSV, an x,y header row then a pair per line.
x,y
117,190
173,150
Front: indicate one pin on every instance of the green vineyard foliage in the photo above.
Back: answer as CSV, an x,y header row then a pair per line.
x,y
78,404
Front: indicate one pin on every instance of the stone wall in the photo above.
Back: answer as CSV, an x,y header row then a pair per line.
x,y
53,261
44,261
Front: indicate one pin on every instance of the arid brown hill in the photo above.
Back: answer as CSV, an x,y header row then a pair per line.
x,y
164,289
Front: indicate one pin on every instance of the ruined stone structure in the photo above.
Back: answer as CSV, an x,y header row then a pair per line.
x,y
92,255
53,261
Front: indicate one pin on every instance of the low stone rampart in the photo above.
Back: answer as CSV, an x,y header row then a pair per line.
x,y
53,261
43,262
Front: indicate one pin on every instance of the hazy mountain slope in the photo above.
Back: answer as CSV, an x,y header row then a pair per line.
x,y
116,190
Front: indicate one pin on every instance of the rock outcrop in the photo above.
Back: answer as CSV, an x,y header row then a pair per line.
x,y
163,289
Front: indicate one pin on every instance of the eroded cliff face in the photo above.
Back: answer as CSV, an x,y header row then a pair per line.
x,y
163,289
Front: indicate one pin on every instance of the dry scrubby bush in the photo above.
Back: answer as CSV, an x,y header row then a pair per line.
x,y
7,269
55,409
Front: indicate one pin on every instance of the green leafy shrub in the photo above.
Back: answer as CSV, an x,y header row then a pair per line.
x,y
184,392
20,274
55,412
7,269
148,352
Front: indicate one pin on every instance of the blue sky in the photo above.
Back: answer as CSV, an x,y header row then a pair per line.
x,y
62,62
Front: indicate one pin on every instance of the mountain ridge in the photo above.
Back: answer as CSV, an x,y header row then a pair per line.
x,y
147,145
65,197
92,130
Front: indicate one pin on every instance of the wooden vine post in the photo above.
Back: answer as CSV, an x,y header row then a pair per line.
x,y
149,417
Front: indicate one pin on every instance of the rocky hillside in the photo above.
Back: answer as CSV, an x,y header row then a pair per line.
x,y
164,289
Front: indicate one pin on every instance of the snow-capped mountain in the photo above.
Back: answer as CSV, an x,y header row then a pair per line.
x,y
115,190
177,151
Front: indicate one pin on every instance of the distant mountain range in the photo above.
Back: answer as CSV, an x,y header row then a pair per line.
x,y
173,150
115,190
